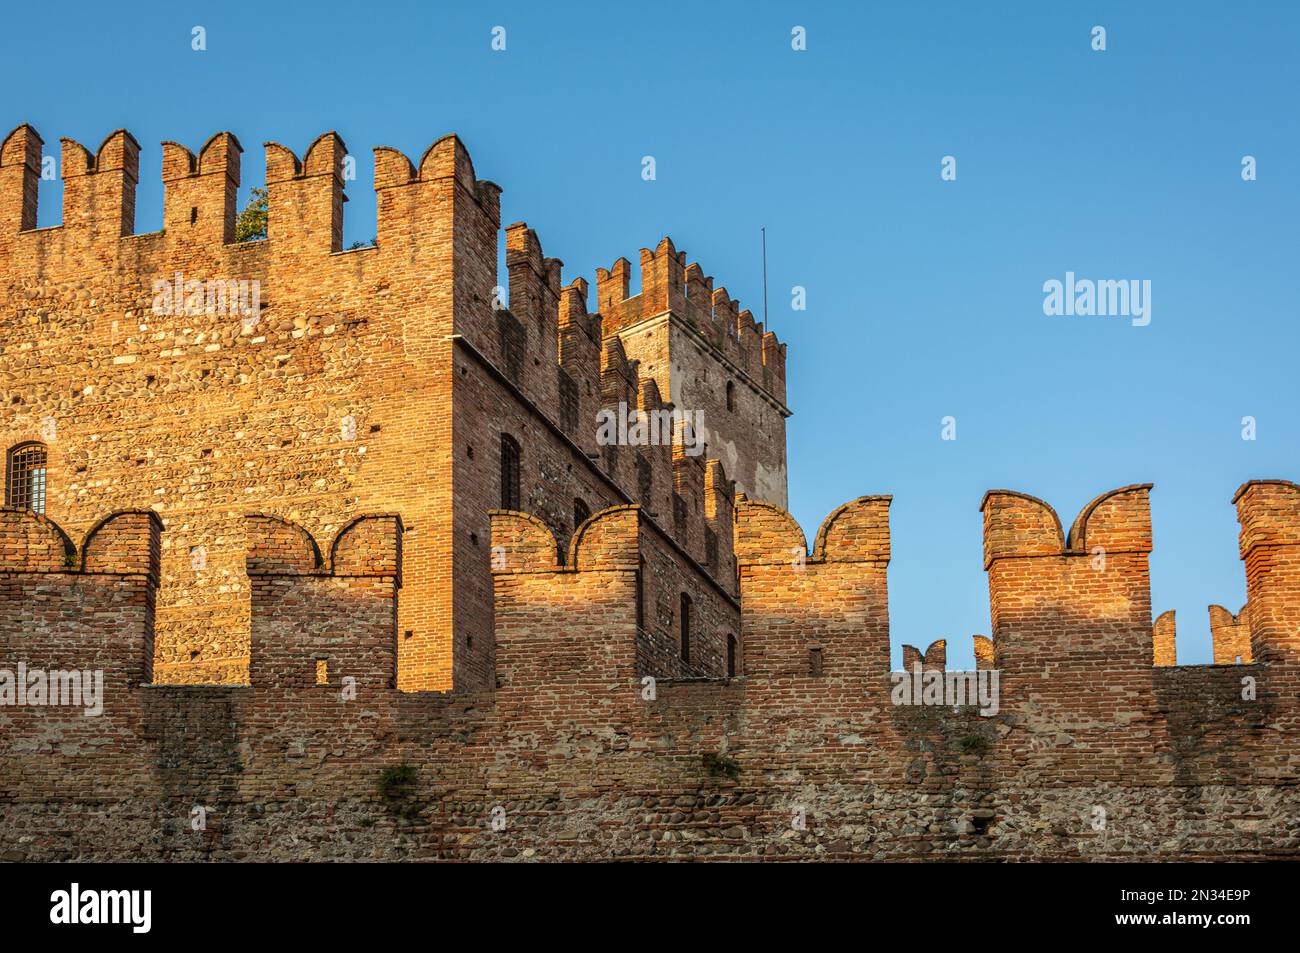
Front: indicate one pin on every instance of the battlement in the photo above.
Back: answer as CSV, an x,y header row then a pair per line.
x,y
556,354
832,600
821,613
1269,513
316,621
669,284
585,709
90,606
1229,635
1047,589
425,210
1017,525
933,659
623,570
123,544
305,201
1164,639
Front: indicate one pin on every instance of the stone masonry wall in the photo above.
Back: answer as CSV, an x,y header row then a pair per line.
x,y
331,401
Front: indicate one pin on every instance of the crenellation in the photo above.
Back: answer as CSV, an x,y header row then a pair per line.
x,y
1269,512
199,192
594,637
580,352
305,198
719,518
33,543
1164,639
844,577
612,286
534,302
749,346
60,608
933,659
670,286
808,711
774,366
663,280
698,304
1019,525
325,627
124,544
1095,581
20,176
99,189
1230,635
617,376
688,521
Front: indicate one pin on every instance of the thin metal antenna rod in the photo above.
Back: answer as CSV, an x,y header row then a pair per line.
x,y
764,230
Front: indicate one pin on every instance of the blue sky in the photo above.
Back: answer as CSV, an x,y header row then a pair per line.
x,y
924,296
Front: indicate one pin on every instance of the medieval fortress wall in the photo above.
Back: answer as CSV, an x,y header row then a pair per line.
x,y
376,379
352,574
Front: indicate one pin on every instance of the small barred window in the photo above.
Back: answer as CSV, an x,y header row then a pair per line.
x,y
25,481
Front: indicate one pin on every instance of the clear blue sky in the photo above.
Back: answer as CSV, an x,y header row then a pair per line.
x,y
924,297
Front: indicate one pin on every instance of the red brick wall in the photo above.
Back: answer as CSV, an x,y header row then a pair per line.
x,y
343,614
56,616
574,757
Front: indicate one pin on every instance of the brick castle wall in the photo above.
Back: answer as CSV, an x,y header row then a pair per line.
x,y
1095,753
374,379
319,634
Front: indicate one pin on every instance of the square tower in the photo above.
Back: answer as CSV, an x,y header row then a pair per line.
x,y
709,359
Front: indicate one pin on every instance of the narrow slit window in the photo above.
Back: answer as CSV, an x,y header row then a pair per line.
x,y
509,473
640,595
686,628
